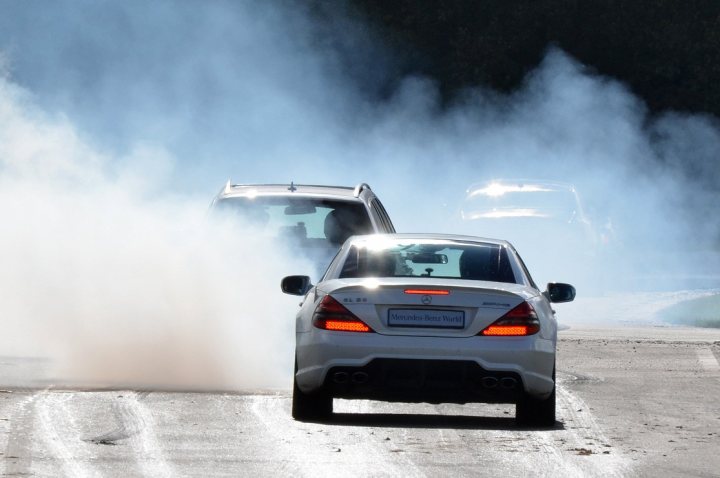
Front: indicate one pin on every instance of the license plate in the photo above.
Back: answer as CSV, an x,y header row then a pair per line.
x,y
441,319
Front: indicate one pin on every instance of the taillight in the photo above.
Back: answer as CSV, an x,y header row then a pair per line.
x,y
522,320
332,315
427,291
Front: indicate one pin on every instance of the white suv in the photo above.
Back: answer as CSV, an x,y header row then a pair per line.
x,y
314,219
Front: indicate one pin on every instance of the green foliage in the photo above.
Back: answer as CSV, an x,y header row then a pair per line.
x,y
701,312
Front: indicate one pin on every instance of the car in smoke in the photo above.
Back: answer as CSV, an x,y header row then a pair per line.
x,y
313,219
434,318
545,219
514,208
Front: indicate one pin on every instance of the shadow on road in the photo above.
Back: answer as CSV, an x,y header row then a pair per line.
x,y
460,422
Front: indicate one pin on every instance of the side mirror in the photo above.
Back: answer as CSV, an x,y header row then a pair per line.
x,y
559,292
296,285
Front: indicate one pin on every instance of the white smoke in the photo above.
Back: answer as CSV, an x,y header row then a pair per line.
x,y
119,121
119,288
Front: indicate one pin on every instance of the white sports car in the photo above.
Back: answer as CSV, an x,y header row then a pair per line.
x,y
426,318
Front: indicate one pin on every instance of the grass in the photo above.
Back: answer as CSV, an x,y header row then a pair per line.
x,y
701,312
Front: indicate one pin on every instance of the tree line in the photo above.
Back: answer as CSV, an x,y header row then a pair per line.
x,y
666,51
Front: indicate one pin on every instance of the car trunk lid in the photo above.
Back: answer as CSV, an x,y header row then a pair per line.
x,y
450,308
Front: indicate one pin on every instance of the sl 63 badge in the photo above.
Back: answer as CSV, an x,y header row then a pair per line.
x,y
351,300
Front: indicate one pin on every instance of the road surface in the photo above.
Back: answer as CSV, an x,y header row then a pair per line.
x,y
633,400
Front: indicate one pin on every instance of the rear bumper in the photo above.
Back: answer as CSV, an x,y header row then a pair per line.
x,y
430,381
425,369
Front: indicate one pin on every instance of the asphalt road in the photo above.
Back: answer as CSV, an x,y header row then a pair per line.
x,y
633,401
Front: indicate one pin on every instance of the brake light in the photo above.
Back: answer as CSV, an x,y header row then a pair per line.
x,y
519,321
332,315
507,330
427,291
345,326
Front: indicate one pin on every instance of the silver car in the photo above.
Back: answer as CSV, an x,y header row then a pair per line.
x,y
311,218
426,318
512,208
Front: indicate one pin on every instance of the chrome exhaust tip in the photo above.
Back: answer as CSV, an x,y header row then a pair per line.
x,y
341,377
360,377
489,382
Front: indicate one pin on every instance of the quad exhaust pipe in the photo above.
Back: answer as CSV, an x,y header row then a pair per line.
x,y
345,377
490,382
506,383
359,378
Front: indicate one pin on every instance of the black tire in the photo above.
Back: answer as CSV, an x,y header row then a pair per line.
x,y
536,412
316,406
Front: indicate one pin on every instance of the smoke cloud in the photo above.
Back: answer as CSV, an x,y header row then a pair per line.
x,y
119,285
120,121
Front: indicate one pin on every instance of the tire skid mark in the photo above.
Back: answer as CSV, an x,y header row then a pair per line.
x,y
55,426
585,433
578,450
574,377
274,416
407,468
136,425
480,454
150,457
269,416
547,453
17,460
519,451
559,459
509,451
468,452
552,460
268,411
128,422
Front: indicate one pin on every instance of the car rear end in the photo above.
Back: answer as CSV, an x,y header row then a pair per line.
x,y
415,340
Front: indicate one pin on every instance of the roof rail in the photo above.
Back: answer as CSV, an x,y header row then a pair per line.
x,y
359,188
228,187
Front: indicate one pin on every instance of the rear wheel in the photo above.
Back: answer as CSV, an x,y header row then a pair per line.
x,y
316,406
535,411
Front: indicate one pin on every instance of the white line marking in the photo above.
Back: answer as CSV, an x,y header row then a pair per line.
x,y
708,361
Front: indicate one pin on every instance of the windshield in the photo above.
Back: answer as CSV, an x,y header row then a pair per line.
x,y
442,259
300,218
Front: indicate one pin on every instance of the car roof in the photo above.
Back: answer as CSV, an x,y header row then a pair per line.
x,y
432,237
523,183
310,190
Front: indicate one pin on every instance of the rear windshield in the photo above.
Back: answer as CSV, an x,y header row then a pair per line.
x,y
300,217
447,260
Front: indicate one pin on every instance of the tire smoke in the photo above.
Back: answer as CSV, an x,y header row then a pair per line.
x,y
119,122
